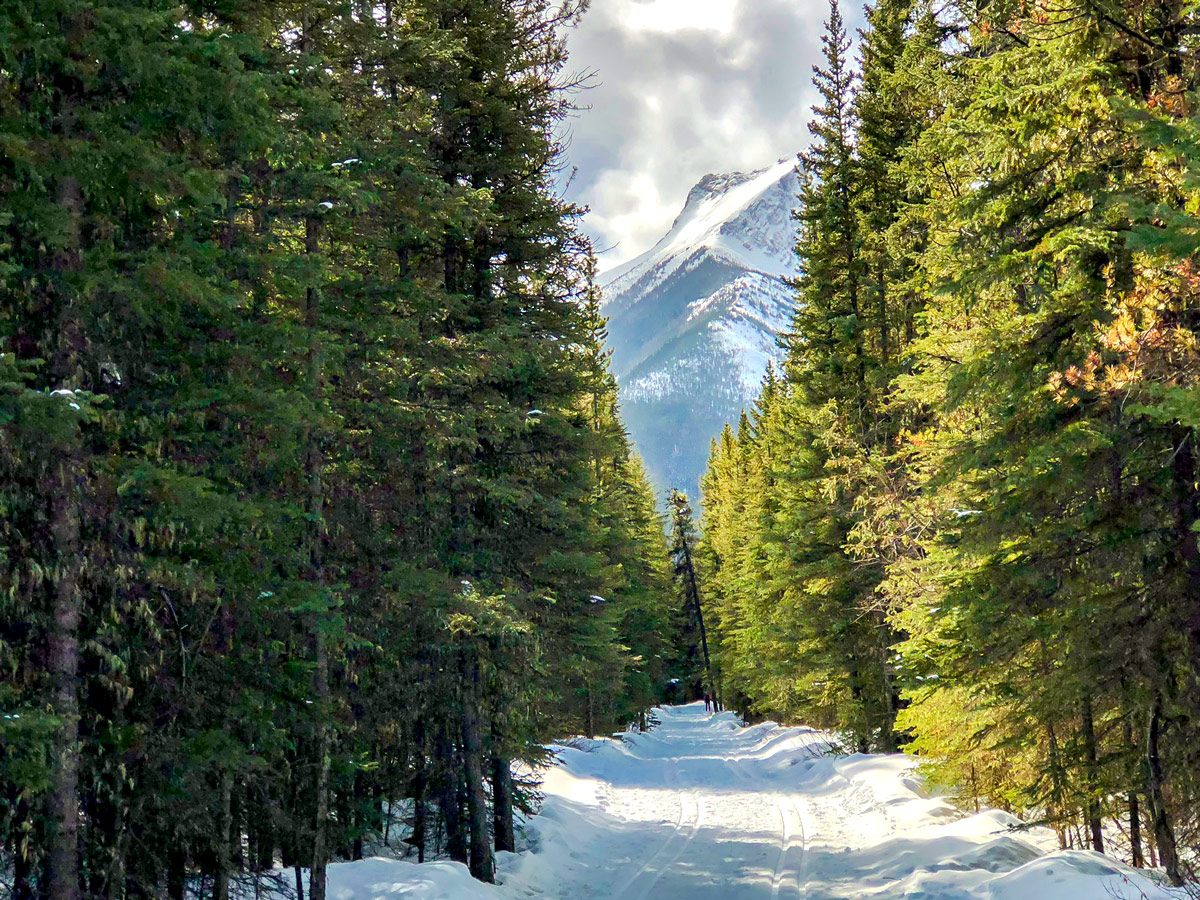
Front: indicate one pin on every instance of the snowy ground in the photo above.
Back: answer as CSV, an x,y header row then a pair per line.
x,y
702,809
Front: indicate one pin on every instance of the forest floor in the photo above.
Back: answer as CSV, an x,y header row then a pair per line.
x,y
701,808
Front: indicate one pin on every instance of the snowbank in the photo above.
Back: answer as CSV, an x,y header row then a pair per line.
x,y
381,879
703,809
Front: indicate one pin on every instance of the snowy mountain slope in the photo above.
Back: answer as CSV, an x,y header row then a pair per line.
x,y
693,321
736,216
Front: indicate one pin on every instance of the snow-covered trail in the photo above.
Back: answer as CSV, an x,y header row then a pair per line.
x,y
693,814
701,808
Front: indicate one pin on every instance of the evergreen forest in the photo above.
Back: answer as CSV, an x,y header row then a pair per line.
x,y
317,517
319,522
962,519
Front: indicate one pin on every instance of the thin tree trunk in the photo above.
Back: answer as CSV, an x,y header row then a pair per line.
x,y
695,591
237,803
224,829
359,803
483,866
317,876
884,329
23,869
420,821
315,466
265,825
1095,825
120,882
1057,784
852,281
910,324
1187,513
64,488
1135,831
502,799
448,798
62,867
1164,834
291,838
1135,813
176,870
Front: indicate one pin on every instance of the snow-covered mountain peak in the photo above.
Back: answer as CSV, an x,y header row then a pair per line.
x,y
694,321
716,184
736,216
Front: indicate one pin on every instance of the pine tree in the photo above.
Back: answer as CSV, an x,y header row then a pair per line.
x,y
697,658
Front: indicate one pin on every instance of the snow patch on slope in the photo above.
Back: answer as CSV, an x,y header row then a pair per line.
x,y
753,311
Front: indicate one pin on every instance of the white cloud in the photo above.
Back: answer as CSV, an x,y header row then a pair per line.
x,y
684,88
677,15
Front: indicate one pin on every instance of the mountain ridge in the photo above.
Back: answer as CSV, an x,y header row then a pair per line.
x,y
693,321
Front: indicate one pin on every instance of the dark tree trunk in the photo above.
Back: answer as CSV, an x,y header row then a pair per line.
x,y
64,488
1095,825
1187,513
885,333
315,466
483,866
359,802
449,803
291,823
420,820
502,801
850,236
1057,785
1138,858
262,829
223,854
131,876
317,875
23,864
694,589
1135,813
176,870
237,818
62,867
910,321
1164,834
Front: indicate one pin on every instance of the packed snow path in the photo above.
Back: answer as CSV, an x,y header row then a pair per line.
x,y
700,808
697,816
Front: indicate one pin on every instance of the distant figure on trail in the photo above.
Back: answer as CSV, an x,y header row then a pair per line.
x,y
708,703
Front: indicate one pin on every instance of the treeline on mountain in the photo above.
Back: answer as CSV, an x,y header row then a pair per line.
x,y
316,511
963,518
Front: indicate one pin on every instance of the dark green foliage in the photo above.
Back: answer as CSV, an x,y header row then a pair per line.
x,y
309,459
695,662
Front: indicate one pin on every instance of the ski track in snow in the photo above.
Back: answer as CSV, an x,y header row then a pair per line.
x,y
701,808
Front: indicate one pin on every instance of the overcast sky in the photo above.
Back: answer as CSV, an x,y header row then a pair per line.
x,y
684,88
